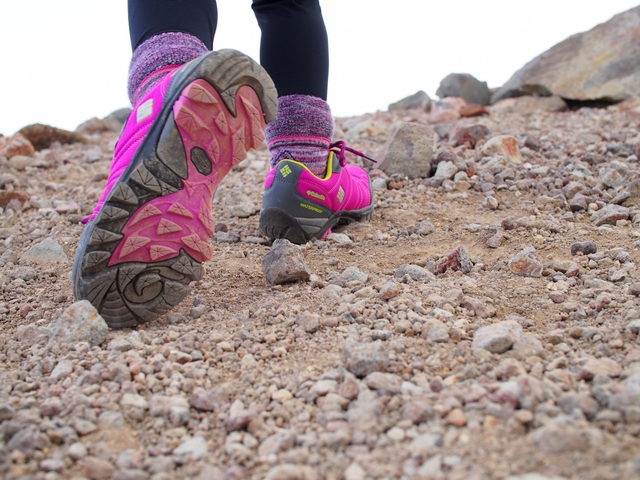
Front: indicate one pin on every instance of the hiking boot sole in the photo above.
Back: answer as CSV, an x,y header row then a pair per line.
x,y
136,259
278,223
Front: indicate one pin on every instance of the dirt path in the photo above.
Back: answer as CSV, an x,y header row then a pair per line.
x,y
368,373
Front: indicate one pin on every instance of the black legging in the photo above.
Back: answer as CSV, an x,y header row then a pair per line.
x,y
294,48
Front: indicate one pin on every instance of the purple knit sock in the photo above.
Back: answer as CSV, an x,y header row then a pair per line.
x,y
155,54
302,131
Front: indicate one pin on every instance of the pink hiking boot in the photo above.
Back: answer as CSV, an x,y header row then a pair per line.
x,y
299,206
148,235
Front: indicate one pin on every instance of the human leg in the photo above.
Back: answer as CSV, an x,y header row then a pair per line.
x,y
294,48
311,189
147,18
166,33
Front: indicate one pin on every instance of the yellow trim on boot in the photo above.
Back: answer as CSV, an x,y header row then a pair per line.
x,y
328,173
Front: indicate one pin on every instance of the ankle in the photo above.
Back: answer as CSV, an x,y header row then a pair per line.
x,y
302,132
153,57
151,81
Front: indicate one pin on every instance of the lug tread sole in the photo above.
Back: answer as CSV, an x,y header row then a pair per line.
x,y
278,223
131,276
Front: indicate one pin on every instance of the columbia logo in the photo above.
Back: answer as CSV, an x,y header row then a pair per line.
x,y
313,194
340,194
285,170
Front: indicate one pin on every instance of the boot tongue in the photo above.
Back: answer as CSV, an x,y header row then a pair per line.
x,y
335,162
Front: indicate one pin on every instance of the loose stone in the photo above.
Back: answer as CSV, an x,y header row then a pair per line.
x,y
194,448
46,252
238,204
416,273
610,214
497,338
80,322
504,145
209,400
363,358
409,151
561,435
425,228
309,322
284,263
351,274
97,468
526,263
586,248
457,259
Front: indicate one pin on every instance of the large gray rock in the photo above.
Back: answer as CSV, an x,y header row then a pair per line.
x,y
465,86
529,104
418,100
594,65
409,151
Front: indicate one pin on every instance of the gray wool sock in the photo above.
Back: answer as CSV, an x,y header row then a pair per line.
x,y
157,56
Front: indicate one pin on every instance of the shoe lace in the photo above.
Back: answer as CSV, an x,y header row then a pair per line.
x,y
340,147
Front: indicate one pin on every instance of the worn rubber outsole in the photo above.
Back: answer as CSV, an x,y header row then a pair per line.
x,y
136,259
278,223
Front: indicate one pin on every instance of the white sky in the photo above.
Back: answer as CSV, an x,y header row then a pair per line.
x,y
65,61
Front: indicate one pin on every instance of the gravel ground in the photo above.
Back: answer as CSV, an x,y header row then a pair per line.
x,y
484,324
